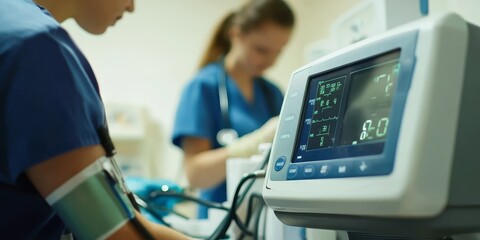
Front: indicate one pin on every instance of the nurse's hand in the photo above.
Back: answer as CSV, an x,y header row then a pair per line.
x,y
247,145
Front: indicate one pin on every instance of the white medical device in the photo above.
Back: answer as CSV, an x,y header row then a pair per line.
x,y
382,136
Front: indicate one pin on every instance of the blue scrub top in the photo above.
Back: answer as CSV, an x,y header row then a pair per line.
x,y
199,114
49,105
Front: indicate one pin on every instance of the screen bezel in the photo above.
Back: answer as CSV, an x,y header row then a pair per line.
x,y
379,164
338,150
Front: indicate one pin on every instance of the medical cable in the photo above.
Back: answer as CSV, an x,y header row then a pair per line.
x,y
253,197
110,152
238,199
117,175
225,224
232,215
156,208
257,220
160,193
221,231
223,96
152,209
227,134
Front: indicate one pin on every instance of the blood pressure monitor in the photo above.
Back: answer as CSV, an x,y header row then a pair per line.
x,y
382,136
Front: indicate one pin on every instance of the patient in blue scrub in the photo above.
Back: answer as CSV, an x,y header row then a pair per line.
x,y
50,111
245,44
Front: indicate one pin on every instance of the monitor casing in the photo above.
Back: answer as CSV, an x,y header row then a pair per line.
x,y
424,183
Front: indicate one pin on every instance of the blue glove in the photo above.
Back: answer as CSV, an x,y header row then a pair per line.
x,y
143,187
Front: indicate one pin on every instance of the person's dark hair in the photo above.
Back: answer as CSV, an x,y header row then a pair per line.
x,y
249,17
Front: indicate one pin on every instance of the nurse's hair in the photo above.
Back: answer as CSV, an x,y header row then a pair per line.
x,y
250,16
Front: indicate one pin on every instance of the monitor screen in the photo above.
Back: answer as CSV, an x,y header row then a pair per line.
x,y
346,111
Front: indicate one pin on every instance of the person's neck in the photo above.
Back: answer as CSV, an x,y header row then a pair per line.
x,y
61,10
243,79
235,70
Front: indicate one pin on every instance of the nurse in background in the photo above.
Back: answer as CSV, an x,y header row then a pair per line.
x,y
245,44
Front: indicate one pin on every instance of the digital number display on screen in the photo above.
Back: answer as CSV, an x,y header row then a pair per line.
x,y
369,101
347,111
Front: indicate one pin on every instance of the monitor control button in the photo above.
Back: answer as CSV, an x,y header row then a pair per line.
x,y
324,170
308,170
280,163
342,169
363,167
292,172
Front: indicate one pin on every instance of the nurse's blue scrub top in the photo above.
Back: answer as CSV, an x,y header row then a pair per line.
x,y
199,114
49,105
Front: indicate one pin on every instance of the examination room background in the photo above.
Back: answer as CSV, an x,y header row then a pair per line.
x,y
146,60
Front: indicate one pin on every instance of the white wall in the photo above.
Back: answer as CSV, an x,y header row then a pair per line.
x,y
468,9
149,55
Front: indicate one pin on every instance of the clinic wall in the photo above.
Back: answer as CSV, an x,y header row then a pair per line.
x,y
313,20
149,56
468,9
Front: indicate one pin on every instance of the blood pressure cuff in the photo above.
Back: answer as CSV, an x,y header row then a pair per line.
x,y
91,203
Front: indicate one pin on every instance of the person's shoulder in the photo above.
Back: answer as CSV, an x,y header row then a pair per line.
x,y
207,77
22,20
